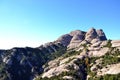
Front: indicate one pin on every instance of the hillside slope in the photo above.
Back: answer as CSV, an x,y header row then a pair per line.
x,y
78,55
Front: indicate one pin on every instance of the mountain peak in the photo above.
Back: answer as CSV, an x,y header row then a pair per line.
x,y
91,34
92,28
101,34
76,32
74,38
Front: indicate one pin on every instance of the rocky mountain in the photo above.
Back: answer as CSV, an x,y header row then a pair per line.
x,y
26,63
78,55
77,37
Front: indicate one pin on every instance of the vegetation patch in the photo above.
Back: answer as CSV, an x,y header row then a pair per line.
x,y
106,77
109,44
71,53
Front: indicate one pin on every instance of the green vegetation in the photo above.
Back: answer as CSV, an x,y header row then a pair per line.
x,y
106,77
109,58
23,58
109,44
85,46
3,74
60,76
72,73
71,53
106,59
58,53
76,74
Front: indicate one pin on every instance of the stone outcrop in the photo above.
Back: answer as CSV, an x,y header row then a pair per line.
x,y
101,35
115,43
91,34
76,37
109,69
64,39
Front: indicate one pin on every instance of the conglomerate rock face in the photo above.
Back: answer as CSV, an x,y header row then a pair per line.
x,y
74,38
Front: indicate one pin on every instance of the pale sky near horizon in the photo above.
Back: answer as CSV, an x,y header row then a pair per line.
x,y
35,22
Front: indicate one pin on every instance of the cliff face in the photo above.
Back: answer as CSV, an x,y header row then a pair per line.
x,y
73,56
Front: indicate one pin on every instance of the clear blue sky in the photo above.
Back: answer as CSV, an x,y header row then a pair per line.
x,y
34,22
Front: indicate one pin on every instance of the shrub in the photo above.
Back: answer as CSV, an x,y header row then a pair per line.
x,y
109,44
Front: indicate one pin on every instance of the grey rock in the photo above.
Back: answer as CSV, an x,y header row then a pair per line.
x,y
115,43
93,68
77,32
7,60
91,34
77,37
65,39
101,35
68,78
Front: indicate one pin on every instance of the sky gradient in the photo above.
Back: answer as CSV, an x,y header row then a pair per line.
x,y
35,22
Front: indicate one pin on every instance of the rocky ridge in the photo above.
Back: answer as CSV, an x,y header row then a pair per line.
x,y
87,45
75,38
73,56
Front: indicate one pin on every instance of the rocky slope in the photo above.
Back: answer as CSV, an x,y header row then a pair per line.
x,y
89,56
78,55
26,63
